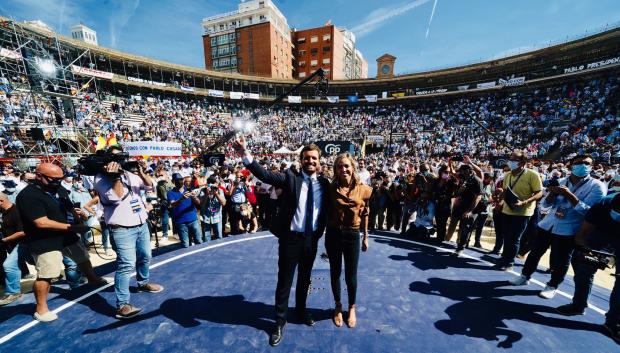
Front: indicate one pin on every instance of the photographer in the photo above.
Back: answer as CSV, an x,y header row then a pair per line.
x,y
237,193
11,244
212,200
45,209
183,204
125,214
569,200
599,229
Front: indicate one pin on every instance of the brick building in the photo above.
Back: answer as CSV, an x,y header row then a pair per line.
x,y
254,40
330,48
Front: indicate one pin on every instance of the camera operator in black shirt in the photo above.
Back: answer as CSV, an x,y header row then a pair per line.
x,y
45,209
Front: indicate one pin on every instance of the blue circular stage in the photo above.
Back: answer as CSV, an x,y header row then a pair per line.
x,y
218,297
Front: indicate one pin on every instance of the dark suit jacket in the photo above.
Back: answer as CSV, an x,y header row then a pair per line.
x,y
290,183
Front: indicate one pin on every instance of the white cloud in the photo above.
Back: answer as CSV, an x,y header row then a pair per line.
x,y
46,11
382,15
120,18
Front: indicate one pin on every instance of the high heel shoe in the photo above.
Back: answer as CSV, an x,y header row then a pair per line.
x,y
337,319
352,320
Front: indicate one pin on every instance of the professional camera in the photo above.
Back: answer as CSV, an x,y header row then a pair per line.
x,y
94,164
551,182
596,258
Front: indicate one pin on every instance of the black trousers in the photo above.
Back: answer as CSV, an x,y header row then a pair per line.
x,y
293,250
442,214
561,252
339,244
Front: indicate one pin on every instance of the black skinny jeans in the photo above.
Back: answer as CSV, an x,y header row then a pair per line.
x,y
339,244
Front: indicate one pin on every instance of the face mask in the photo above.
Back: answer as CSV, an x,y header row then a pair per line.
x,y
51,187
513,165
581,170
445,176
615,215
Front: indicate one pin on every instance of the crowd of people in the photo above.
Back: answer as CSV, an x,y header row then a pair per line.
x,y
437,179
579,117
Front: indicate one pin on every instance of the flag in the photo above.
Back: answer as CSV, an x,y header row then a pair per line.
x,y
371,98
333,99
353,99
101,143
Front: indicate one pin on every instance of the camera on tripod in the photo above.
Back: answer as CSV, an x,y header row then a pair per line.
x,y
94,164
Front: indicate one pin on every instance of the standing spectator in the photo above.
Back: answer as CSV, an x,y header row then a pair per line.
x,y
212,200
183,204
468,195
482,209
11,242
522,188
163,186
237,191
443,193
569,202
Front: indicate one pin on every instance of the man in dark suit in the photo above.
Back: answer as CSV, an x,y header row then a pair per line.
x,y
299,225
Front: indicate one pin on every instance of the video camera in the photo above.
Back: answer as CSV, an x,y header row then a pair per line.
x,y
94,164
597,258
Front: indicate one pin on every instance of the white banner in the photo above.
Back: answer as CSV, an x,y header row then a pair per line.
x,y
236,95
486,84
463,88
593,65
375,138
515,81
371,98
431,91
186,88
251,96
384,95
153,148
150,99
11,54
216,93
78,70
294,99
148,82
333,99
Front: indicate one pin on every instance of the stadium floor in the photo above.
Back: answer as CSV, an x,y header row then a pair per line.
x,y
412,297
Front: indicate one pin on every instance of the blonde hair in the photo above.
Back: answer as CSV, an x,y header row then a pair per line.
x,y
339,158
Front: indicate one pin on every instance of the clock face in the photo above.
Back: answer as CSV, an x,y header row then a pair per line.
x,y
385,69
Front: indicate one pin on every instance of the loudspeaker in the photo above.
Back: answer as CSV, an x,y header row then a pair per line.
x,y
37,134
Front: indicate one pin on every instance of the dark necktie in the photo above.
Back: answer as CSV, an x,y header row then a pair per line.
x,y
309,209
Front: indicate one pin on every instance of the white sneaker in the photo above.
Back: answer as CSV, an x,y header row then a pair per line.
x,y
548,292
459,253
47,317
520,281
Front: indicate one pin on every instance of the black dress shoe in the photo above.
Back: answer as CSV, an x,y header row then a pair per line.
x,y
276,336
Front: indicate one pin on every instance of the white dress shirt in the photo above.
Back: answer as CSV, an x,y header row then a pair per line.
x,y
299,219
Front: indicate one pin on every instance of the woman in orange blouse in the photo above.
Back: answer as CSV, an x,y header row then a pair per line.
x,y
348,217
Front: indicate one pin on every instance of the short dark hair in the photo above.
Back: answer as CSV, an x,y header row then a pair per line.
x,y
580,157
465,167
310,147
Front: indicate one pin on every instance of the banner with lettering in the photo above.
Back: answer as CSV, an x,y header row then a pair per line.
x,y
153,148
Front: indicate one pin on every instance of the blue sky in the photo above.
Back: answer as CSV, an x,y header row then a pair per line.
x,y
461,31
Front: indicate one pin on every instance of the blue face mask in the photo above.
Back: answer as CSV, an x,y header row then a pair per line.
x,y
513,165
615,215
581,170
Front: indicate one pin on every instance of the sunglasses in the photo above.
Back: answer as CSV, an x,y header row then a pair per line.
x,y
52,179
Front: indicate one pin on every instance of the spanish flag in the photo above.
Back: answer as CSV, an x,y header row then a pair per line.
x,y
111,140
100,143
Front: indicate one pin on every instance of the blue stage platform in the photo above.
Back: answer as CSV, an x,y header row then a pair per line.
x,y
218,297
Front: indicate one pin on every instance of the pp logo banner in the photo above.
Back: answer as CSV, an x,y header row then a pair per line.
x,y
331,148
213,159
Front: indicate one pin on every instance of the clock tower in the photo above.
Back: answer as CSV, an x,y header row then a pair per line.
x,y
385,66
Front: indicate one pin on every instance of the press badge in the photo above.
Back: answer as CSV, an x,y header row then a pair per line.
x,y
135,205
